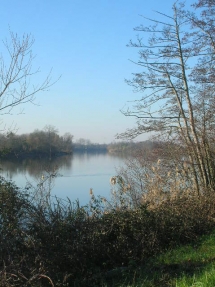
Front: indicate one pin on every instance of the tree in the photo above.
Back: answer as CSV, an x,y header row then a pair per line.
x,y
51,139
16,73
67,142
177,83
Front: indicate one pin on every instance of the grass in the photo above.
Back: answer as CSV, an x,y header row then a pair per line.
x,y
186,266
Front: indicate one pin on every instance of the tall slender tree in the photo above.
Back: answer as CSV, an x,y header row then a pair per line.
x,y
176,79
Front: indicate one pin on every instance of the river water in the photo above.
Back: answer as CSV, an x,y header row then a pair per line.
x,y
75,175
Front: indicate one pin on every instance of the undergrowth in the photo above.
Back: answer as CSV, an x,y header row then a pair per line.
x,y
58,243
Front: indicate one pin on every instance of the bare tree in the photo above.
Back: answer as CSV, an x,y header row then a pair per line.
x,y
52,136
16,73
176,79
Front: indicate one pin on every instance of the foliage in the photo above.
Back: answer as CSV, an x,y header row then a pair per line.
x,y
156,205
46,241
46,142
189,265
130,147
86,145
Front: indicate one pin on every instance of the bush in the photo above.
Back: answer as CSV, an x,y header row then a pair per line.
x,y
57,243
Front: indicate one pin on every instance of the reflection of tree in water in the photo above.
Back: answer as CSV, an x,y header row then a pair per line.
x,y
35,167
86,155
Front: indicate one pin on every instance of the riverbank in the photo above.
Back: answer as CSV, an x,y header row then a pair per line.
x,y
62,243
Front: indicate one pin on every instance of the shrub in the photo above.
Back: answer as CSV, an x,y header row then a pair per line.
x,y
58,243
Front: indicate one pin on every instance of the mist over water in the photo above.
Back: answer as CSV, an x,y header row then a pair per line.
x,y
76,174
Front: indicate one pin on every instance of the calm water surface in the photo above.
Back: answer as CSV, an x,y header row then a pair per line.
x,y
76,174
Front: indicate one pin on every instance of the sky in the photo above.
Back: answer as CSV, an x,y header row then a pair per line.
x,y
84,43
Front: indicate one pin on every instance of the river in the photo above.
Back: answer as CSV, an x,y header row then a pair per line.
x,y
75,174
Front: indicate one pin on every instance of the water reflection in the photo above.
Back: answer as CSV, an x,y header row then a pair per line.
x,y
34,167
77,173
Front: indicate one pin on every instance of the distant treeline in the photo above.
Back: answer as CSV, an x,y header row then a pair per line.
x,y
48,143
86,145
119,147
38,143
131,147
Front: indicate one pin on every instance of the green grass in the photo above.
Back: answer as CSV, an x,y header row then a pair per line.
x,y
186,266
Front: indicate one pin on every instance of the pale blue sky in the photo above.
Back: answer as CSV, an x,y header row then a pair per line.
x,y
84,41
